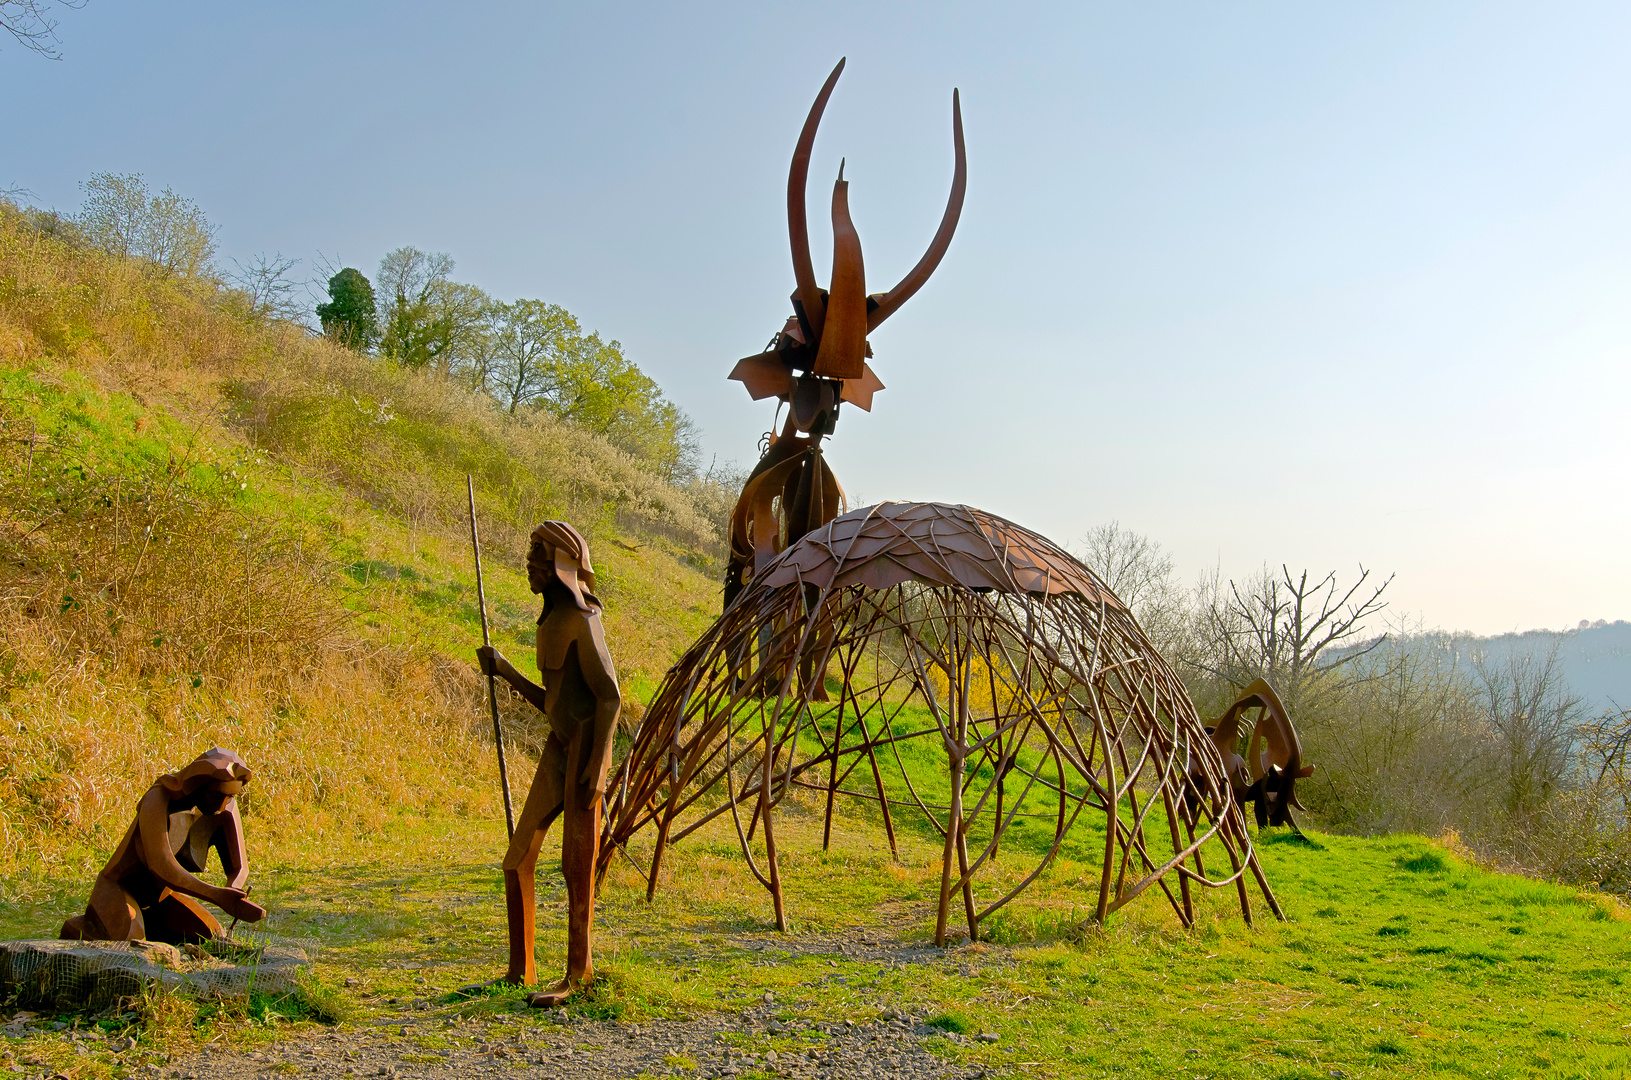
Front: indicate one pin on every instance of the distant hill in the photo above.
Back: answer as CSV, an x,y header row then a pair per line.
x,y
1596,658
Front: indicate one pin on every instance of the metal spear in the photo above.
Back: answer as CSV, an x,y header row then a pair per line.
x,y
492,690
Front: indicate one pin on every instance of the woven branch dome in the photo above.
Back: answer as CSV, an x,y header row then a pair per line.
x,y
980,675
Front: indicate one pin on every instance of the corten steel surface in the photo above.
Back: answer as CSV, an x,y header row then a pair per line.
x,y
952,633
1266,776
148,890
579,695
818,361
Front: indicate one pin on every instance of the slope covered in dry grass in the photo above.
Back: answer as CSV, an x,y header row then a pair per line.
x,y
216,529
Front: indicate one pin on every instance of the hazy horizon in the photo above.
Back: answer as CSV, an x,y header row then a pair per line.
x,y
1269,284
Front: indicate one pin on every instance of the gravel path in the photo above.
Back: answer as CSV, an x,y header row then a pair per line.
x,y
747,1044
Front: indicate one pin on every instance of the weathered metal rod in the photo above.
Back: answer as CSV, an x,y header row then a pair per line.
x,y
487,641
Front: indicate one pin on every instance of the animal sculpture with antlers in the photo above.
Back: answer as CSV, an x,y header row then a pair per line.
x,y
1267,775
818,360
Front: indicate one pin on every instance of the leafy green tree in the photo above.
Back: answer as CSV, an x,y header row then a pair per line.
x,y
168,231
430,321
595,386
349,316
465,316
544,360
531,338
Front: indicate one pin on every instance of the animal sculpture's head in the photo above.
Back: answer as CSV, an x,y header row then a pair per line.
x,y
818,359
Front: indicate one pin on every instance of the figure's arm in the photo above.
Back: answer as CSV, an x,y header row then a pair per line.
x,y
601,678
153,838
493,663
229,845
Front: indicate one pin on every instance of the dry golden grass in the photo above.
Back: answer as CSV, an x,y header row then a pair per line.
x,y
339,748
220,531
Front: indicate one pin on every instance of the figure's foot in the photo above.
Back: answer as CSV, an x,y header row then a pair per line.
x,y
553,997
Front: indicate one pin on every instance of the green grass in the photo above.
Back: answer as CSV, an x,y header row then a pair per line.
x,y
1398,959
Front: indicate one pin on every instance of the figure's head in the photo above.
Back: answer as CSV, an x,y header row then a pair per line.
x,y
559,553
219,769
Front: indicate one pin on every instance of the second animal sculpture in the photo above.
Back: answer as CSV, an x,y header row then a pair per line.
x,y
1266,776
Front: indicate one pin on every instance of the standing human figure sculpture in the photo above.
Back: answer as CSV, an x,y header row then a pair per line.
x,y
149,889
579,696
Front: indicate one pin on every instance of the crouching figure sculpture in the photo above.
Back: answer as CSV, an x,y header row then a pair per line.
x,y
149,888
581,699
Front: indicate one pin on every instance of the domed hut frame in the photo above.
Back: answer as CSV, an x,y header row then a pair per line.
x,y
949,631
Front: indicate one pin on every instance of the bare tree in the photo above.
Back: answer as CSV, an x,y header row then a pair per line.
x,y
1140,573
30,22
1133,565
1605,743
411,274
427,317
1535,719
1403,749
1298,634
269,288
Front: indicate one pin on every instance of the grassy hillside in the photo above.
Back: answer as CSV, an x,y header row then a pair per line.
x,y
219,530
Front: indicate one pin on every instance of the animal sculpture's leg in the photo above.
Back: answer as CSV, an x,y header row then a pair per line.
x,y
580,843
521,861
178,918
111,915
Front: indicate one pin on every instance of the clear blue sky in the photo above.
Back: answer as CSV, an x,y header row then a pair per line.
x,y
1309,283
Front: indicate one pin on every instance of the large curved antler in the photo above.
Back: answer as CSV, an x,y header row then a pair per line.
x,y
890,302
798,228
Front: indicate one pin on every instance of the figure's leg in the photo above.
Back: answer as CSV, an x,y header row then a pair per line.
x,y
521,861
111,915
178,918
580,843
580,847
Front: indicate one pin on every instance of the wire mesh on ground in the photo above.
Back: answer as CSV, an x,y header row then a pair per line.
x,y
980,676
62,975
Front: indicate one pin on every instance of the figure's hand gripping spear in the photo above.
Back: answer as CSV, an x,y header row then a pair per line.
x,y
818,360
486,642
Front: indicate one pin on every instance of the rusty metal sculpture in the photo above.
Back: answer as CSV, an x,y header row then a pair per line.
x,y
149,888
955,634
818,361
581,700
1266,776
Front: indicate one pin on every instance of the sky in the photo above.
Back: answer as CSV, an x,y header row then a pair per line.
x,y
1319,285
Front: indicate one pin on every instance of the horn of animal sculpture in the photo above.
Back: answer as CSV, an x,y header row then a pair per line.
x,y
818,360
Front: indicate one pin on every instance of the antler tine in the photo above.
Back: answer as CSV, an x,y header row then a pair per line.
x,y
891,301
798,228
